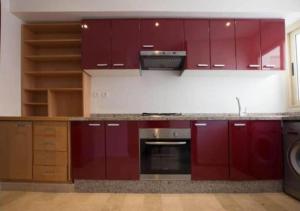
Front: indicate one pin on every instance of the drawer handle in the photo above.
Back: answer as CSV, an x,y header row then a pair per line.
x,y
254,65
200,124
148,46
113,125
239,124
202,65
102,65
94,124
22,124
49,143
269,66
118,65
219,65
49,172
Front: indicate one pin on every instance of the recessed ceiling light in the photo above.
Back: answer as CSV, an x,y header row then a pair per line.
x,y
84,26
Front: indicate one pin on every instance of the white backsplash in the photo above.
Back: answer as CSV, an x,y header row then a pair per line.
x,y
194,92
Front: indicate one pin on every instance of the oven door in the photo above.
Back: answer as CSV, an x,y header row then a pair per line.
x,y
167,156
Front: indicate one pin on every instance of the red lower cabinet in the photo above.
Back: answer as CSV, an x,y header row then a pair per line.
x,y
210,158
88,150
122,150
255,150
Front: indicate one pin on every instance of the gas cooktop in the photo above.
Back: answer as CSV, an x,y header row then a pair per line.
x,y
161,114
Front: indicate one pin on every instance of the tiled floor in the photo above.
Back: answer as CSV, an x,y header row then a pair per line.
x,y
29,201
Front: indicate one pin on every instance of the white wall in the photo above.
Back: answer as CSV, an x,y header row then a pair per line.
x,y
207,92
74,9
155,5
10,91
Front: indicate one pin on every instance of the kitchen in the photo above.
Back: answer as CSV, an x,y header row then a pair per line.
x,y
152,106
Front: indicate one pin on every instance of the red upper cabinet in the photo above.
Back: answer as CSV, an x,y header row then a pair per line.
x,y
125,44
273,44
210,156
96,44
88,150
248,55
197,42
222,37
256,150
162,34
122,150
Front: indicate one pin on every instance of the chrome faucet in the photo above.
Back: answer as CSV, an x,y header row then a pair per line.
x,y
239,105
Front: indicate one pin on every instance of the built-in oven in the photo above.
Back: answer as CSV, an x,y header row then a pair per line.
x,y
165,153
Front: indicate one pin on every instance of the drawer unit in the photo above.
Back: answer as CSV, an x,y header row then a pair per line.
x,y
50,158
50,173
50,136
50,155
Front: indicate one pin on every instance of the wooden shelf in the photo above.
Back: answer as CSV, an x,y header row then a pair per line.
x,y
49,58
72,27
36,104
54,90
53,82
54,43
54,73
35,89
66,90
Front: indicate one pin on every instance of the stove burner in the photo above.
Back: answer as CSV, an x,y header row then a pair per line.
x,y
161,114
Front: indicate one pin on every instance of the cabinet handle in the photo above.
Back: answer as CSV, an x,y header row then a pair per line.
x,y
102,65
148,46
113,125
165,143
253,65
94,124
200,124
118,65
219,65
269,66
202,65
239,124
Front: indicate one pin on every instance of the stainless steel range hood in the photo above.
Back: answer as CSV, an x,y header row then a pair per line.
x,y
162,60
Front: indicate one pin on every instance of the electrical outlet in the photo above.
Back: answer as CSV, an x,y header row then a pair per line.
x,y
96,94
104,94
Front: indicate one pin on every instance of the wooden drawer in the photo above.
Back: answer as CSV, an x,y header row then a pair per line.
x,y
50,158
50,136
50,173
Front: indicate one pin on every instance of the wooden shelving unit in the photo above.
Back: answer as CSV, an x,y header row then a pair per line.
x,y
53,83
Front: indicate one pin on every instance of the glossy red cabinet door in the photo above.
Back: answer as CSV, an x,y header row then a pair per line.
x,y
88,150
122,150
96,44
256,151
248,55
240,154
267,153
162,34
197,41
210,156
273,44
222,39
125,44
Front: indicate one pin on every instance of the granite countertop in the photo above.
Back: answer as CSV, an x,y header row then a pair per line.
x,y
139,117
211,116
